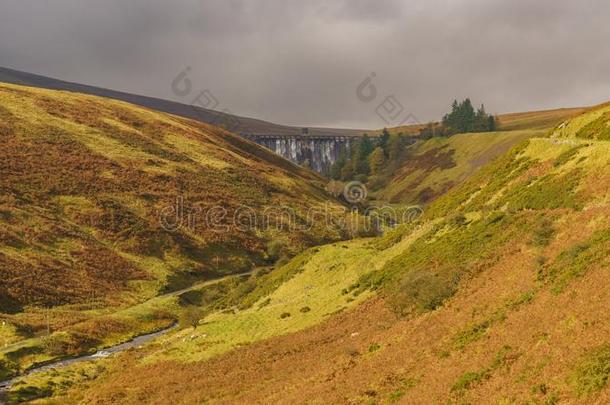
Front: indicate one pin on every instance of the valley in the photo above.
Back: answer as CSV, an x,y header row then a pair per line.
x,y
489,296
304,202
96,228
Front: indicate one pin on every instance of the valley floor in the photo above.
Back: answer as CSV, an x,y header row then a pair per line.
x,y
495,342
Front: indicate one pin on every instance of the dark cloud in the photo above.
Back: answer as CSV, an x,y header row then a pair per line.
x,y
300,62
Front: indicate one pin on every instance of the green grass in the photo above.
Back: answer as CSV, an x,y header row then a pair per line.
x,y
54,382
314,280
578,259
593,373
440,163
472,334
471,379
598,129
310,288
549,192
592,124
458,250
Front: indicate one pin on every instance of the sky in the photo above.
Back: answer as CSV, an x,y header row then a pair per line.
x,y
339,63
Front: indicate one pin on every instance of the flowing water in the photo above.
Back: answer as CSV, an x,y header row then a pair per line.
x,y
136,342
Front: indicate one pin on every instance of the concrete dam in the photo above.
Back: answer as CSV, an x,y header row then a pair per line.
x,y
319,152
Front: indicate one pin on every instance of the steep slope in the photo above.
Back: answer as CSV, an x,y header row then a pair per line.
x,y
498,295
88,185
104,205
219,118
432,167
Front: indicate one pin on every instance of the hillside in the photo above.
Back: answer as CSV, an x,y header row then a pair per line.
x,y
543,119
432,167
494,296
104,205
537,119
236,123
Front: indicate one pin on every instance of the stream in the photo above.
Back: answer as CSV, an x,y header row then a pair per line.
x,y
135,342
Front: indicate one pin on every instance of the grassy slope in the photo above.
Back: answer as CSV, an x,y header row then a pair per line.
x,y
537,119
83,182
432,167
492,298
515,121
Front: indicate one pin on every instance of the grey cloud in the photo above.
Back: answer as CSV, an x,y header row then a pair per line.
x,y
299,62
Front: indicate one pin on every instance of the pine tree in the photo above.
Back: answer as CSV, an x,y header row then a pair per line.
x,y
395,147
467,116
364,147
492,123
383,141
377,160
481,122
463,118
347,171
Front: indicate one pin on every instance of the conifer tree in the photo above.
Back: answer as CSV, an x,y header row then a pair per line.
x,y
377,160
383,141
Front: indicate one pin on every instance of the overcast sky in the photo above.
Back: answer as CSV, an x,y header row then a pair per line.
x,y
303,62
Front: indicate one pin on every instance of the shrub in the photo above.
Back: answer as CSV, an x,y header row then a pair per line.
x,y
549,192
471,334
567,156
597,129
29,393
69,343
523,299
192,297
593,373
469,380
396,395
276,249
7,369
374,347
457,220
578,259
543,234
305,309
190,317
284,315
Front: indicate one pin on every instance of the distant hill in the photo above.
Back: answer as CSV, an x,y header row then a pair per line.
x,y
245,124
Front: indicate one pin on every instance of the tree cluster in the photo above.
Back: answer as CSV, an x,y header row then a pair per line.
x,y
463,118
368,157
